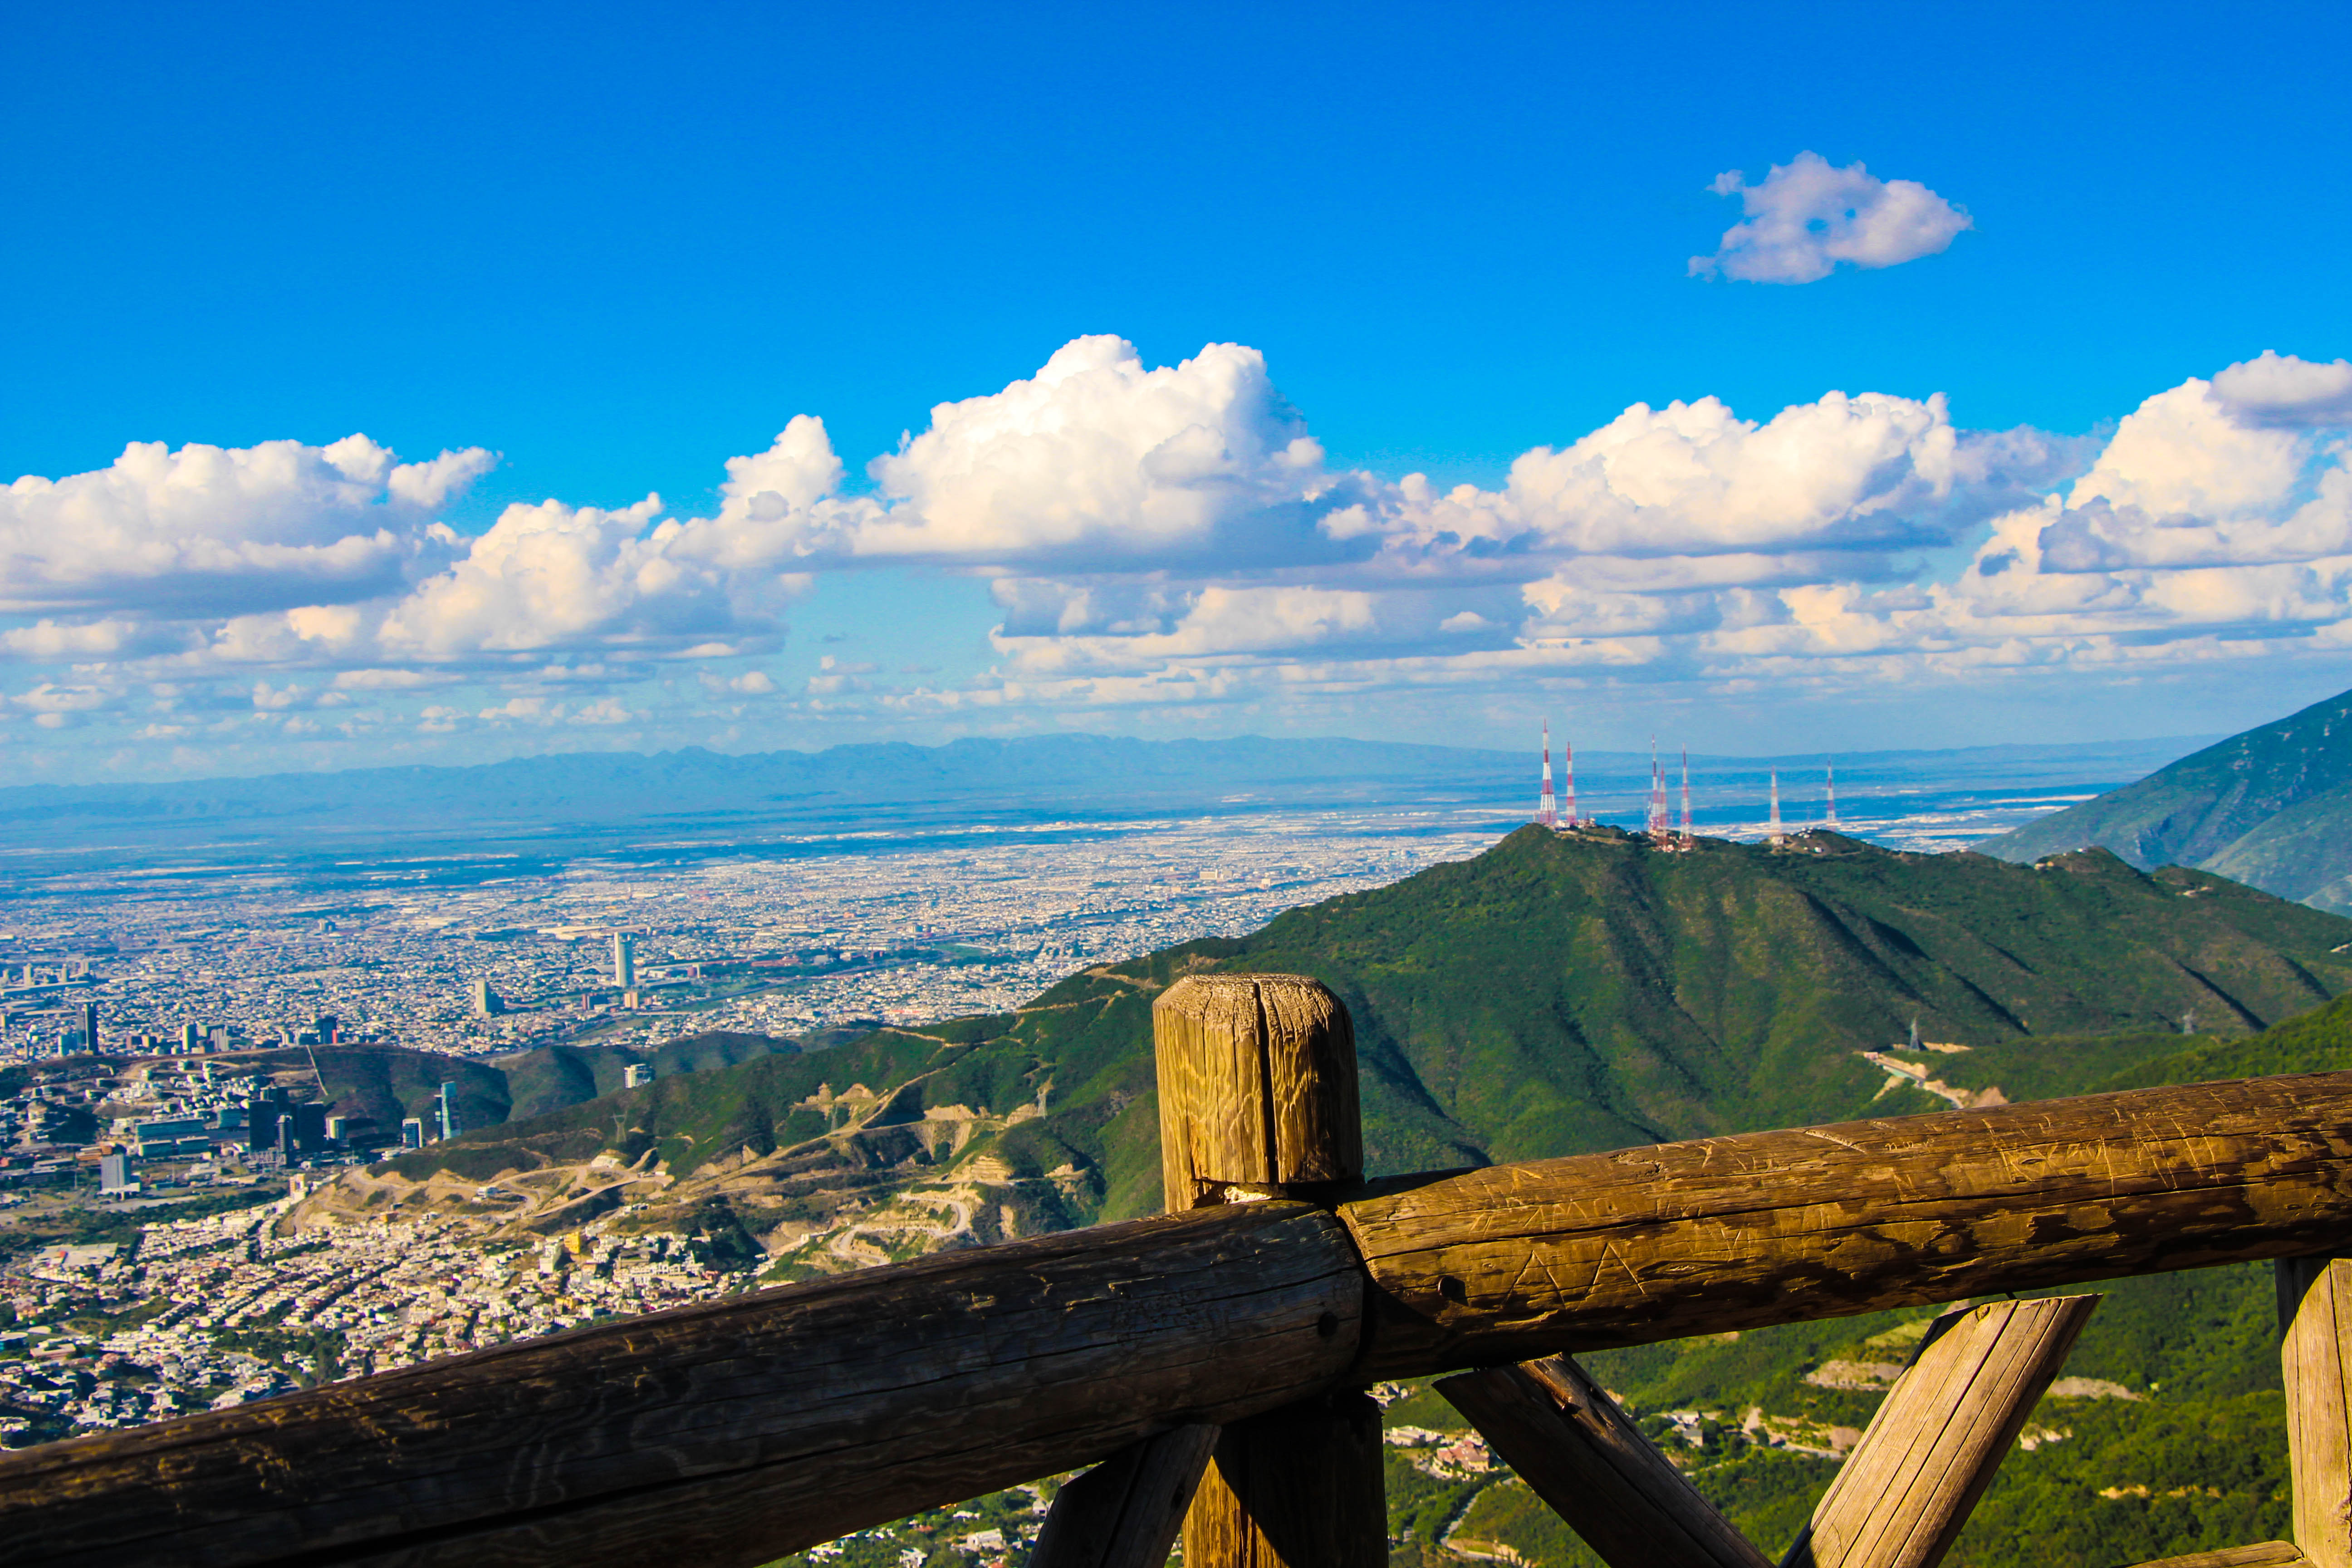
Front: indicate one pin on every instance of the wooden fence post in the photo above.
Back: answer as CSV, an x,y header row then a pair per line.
x,y
1125,1512
1578,1451
2314,1296
1257,1099
1927,1456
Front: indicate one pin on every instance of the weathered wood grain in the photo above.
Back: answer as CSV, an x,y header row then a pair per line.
x,y
1257,1086
2269,1555
1579,1452
1257,1099
1738,1232
2314,1298
1126,1512
1296,1488
1904,1492
735,1431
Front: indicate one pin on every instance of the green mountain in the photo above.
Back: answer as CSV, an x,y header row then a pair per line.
x,y
1559,993
2272,808
1563,993
381,1085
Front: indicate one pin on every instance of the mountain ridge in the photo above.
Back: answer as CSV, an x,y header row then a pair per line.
x,y
1561,994
2269,807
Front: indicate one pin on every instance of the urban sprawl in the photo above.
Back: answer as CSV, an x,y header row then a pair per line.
x,y
130,1008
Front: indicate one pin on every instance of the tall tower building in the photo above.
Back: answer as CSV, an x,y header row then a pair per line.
x,y
89,1027
1831,821
445,1111
624,960
488,1004
1548,804
1772,834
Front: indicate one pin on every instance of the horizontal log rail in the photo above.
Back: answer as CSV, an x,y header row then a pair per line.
x,y
1596,1251
737,1431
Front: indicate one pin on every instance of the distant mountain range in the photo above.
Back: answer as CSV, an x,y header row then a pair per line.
x,y
2271,807
540,804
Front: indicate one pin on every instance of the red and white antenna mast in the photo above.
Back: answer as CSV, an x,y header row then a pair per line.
x,y
1772,834
1567,762
1658,824
1833,818
1547,806
1686,832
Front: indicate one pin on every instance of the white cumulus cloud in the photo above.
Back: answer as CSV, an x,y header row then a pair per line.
x,y
2281,390
216,528
1166,537
1809,216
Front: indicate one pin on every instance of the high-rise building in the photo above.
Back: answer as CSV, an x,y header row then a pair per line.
x,y
114,1176
412,1132
624,960
90,1026
445,1111
302,1129
262,1115
488,1004
638,1075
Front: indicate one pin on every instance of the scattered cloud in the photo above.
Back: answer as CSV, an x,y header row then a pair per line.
x,y
220,530
1174,539
1807,217
2277,389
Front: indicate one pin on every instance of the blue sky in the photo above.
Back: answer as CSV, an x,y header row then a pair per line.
x,y
611,249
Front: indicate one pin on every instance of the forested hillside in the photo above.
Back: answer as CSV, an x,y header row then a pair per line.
x,y
379,1085
1560,993
2271,807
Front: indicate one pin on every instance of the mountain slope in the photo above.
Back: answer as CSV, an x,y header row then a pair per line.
x,y
383,1084
1559,993
2271,807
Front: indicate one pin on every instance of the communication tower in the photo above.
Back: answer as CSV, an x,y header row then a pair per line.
x,y
1660,829
1547,804
1686,827
1772,834
1832,821
1568,765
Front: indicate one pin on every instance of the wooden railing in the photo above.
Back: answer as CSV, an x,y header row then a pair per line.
x,y
1210,1362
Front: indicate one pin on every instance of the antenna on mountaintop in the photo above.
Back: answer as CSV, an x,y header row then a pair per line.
x,y
1686,832
1547,806
1658,824
1568,761
1772,834
1833,817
